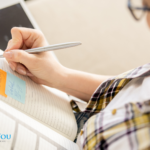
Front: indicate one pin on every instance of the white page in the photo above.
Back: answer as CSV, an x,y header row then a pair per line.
x,y
26,139
31,134
44,145
47,105
7,127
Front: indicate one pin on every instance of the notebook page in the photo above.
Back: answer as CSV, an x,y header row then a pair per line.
x,y
28,133
47,105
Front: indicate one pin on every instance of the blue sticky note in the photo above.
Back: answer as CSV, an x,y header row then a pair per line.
x,y
15,88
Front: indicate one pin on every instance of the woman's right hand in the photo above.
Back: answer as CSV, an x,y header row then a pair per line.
x,y
42,68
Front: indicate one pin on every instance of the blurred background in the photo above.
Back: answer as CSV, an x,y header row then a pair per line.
x,y
112,41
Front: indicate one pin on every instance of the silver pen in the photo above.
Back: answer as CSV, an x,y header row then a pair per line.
x,y
50,48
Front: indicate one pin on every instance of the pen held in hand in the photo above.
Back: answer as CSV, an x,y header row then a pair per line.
x,y
50,48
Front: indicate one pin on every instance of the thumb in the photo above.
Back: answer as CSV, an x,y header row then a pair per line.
x,y
22,57
16,41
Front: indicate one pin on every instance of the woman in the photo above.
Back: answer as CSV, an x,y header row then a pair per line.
x,y
123,124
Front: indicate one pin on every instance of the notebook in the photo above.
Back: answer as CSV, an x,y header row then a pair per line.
x,y
44,122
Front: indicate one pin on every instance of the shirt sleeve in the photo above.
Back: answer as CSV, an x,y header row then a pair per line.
x,y
94,126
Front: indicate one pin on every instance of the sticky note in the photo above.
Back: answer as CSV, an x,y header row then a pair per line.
x,y
15,88
3,76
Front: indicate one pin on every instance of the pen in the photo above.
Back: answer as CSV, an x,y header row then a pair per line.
x,y
50,48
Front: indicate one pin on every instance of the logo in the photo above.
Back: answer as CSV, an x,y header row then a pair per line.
x,y
5,136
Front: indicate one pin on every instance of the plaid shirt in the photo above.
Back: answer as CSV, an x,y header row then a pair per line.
x,y
131,129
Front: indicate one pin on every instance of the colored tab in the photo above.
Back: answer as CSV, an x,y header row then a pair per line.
x,y
3,76
15,88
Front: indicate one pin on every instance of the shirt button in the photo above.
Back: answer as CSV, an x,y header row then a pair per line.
x,y
114,111
81,132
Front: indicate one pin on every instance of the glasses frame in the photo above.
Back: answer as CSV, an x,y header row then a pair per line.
x,y
131,8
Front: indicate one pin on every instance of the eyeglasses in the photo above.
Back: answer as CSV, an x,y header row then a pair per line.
x,y
138,8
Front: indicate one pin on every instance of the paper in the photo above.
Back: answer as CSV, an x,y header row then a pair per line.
x,y
26,139
1,52
7,129
46,145
29,131
47,105
3,76
15,88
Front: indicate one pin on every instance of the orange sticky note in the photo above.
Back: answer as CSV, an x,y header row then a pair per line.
x,y
3,76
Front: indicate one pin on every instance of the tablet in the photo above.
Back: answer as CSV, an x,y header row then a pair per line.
x,y
13,13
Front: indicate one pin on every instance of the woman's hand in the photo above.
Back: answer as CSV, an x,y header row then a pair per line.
x,y
42,68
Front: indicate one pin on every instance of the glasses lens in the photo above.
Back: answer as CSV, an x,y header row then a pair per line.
x,y
136,8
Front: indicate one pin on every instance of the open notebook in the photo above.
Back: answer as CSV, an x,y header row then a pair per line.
x,y
44,122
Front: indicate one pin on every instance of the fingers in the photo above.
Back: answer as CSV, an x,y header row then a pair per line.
x,y
24,38
16,42
29,74
32,37
19,68
22,57
12,65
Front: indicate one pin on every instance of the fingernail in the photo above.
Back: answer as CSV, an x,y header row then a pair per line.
x,y
9,46
21,71
8,54
12,66
29,74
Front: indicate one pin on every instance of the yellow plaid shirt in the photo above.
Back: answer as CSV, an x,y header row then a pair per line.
x,y
130,132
